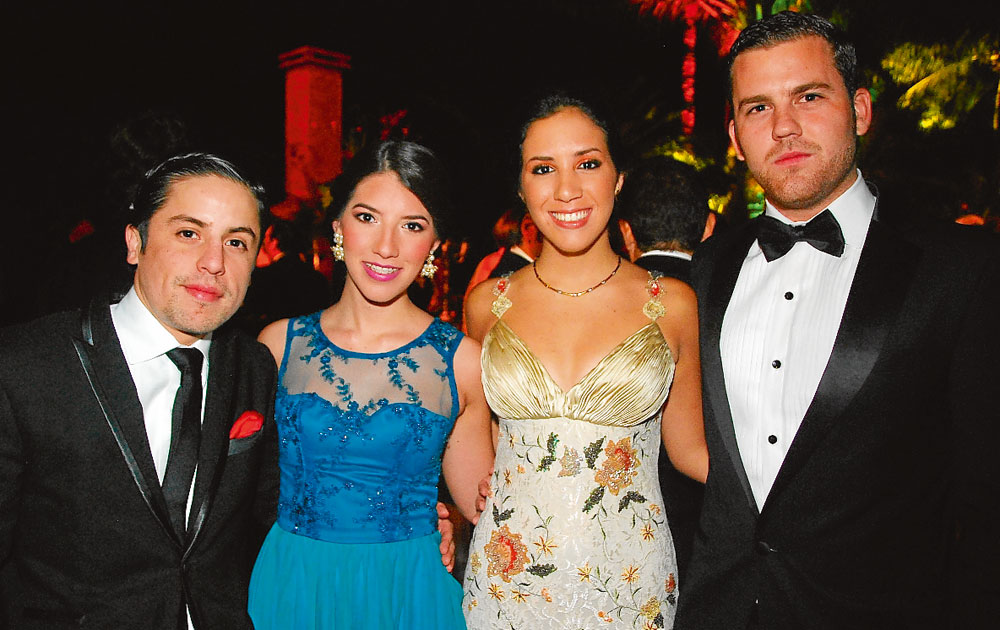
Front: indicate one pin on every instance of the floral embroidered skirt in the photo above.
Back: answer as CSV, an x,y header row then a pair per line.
x,y
575,535
307,584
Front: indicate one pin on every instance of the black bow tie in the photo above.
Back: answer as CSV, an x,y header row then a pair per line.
x,y
822,232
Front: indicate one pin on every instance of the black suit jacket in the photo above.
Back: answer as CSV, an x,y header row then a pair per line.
x,y
884,512
85,538
508,263
670,266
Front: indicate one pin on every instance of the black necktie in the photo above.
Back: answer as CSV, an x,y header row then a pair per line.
x,y
822,232
187,423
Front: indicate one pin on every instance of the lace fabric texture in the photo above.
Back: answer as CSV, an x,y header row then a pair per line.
x,y
575,535
362,434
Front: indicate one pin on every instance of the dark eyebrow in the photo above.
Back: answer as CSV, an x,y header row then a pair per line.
x,y
243,230
799,89
183,218
375,210
809,87
542,158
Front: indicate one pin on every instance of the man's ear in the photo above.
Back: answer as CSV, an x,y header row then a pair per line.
x,y
862,111
734,141
133,244
709,226
629,239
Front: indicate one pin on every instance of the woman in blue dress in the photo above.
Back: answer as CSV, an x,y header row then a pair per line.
x,y
375,399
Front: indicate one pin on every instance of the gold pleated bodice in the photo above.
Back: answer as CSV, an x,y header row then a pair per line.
x,y
628,386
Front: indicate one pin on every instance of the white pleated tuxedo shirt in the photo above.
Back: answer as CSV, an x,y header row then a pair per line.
x,y
778,333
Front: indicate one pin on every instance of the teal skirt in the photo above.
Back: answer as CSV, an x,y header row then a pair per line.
x,y
307,584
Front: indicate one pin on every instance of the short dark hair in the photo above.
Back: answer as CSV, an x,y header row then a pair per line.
x,y
665,203
787,26
152,191
558,101
416,166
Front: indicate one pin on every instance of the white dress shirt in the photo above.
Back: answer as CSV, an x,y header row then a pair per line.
x,y
517,251
145,343
778,334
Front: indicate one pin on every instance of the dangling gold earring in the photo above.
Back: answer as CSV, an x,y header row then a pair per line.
x,y
429,267
338,246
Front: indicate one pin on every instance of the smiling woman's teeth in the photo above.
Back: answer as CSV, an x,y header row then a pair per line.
x,y
569,217
381,270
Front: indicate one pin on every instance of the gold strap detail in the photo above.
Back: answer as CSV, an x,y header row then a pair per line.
x,y
501,302
653,309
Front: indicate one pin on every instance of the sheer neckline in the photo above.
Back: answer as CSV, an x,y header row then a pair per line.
x,y
321,334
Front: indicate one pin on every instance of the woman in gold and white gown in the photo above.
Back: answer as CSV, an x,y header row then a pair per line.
x,y
579,354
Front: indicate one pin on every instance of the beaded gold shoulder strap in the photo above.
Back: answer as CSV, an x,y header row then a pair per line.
x,y
501,302
653,309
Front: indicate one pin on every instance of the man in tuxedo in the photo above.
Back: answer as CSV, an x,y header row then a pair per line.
x,y
665,215
127,498
849,414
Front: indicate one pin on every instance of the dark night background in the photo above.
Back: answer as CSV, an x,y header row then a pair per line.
x,y
75,73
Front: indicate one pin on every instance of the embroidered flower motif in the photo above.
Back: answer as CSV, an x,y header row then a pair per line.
x,y
545,545
506,477
647,532
606,617
518,596
654,508
520,469
496,592
619,467
649,626
472,604
545,594
584,572
506,554
570,463
630,574
510,440
474,562
670,583
651,608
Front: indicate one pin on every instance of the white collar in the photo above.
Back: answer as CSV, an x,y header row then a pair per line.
x,y
666,252
141,335
520,252
853,211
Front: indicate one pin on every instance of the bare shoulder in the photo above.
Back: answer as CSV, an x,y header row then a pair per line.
x,y
478,309
273,336
677,296
467,355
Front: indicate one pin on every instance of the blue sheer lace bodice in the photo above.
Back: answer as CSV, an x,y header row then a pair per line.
x,y
362,434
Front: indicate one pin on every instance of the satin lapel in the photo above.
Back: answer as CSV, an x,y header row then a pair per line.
x,y
880,286
214,431
725,271
104,364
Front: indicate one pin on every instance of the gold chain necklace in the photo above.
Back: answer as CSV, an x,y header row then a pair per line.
x,y
534,267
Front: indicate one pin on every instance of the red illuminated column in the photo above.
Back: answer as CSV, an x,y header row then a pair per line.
x,y
313,114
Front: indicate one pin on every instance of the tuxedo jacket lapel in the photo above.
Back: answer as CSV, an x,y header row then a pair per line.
x,y
214,432
110,380
725,271
881,282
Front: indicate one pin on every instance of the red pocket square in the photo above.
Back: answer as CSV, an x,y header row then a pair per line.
x,y
247,424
